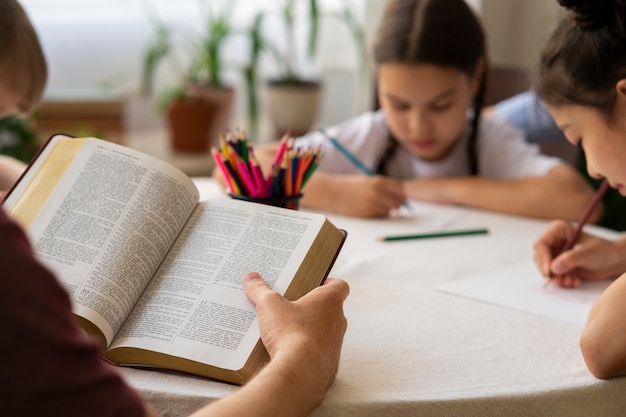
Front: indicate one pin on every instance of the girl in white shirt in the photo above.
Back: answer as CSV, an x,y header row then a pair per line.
x,y
428,141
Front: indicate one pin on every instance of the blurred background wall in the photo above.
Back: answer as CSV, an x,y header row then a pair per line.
x,y
95,47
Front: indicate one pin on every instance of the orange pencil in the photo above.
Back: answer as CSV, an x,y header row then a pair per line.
x,y
282,178
288,174
305,161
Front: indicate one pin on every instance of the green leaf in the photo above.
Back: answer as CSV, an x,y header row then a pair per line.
x,y
17,138
314,28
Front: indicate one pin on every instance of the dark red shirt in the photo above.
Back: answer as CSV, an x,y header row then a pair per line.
x,y
49,368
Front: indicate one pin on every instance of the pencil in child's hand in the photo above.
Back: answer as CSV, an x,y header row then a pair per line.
x,y
604,187
353,159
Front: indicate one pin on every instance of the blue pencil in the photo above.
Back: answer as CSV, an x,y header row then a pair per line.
x,y
355,161
351,157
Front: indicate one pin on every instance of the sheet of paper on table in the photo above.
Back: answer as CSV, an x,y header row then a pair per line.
x,y
520,287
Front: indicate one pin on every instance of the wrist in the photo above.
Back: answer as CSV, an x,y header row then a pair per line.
x,y
300,381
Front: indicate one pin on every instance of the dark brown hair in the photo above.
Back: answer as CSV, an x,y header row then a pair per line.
x,y
23,66
445,33
585,56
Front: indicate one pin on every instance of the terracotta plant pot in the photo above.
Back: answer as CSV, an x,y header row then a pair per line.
x,y
222,99
189,121
293,106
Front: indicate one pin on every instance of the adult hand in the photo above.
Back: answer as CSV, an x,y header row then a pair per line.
x,y
304,337
591,258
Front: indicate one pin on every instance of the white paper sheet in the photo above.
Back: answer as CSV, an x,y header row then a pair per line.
x,y
520,287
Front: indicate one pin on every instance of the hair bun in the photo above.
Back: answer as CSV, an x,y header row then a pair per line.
x,y
593,14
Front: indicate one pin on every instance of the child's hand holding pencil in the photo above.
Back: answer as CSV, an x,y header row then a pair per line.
x,y
594,258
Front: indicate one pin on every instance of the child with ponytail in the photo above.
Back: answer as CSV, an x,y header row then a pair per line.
x,y
428,141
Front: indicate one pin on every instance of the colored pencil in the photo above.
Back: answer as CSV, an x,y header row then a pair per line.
x,y
355,161
597,198
312,166
244,175
286,164
445,233
257,175
234,176
352,158
282,146
303,165
220,163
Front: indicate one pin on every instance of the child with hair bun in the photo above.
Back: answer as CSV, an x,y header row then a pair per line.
x,y
582,79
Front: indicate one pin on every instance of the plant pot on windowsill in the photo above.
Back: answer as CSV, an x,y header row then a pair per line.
x,y
293,105
222,98
189,120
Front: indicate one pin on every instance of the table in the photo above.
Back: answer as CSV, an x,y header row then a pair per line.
x,y
411,350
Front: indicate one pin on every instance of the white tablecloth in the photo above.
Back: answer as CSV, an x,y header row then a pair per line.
x,y
413,350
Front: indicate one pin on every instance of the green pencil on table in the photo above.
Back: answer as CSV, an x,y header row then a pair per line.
x,y
432,235
356,162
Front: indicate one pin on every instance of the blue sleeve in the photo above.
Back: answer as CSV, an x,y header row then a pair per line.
x,y
528,113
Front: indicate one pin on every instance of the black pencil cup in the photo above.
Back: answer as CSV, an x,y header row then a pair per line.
x,y
285,202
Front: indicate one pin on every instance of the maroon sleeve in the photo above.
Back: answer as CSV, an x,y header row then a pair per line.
x,y
49,368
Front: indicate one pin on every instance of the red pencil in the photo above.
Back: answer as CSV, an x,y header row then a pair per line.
x,y
220,163
242,168
257,175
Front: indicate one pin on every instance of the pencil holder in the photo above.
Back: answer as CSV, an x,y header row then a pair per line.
x,y
285,202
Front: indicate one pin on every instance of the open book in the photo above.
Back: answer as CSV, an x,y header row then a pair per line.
x,y
152,271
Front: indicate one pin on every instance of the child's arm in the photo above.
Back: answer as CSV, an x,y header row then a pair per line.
x,y
561,193
350,195
603,341
353,195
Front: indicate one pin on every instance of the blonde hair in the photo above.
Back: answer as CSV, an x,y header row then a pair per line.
x,y
23,67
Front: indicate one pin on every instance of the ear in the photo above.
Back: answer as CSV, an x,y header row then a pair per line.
x,y
620,97
620,88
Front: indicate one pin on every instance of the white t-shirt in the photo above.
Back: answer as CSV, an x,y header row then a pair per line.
x,y
501,150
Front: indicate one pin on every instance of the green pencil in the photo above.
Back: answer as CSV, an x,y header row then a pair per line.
x,y
435,235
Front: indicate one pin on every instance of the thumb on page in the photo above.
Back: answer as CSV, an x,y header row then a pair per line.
x,y
255,287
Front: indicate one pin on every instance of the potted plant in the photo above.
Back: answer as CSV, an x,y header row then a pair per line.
x,y
199,99
292,97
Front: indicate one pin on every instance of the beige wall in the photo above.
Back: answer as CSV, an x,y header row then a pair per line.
x,y
517,29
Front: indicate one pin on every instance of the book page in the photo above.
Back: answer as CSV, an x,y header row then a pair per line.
x,y
195,306
105,229
520,287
